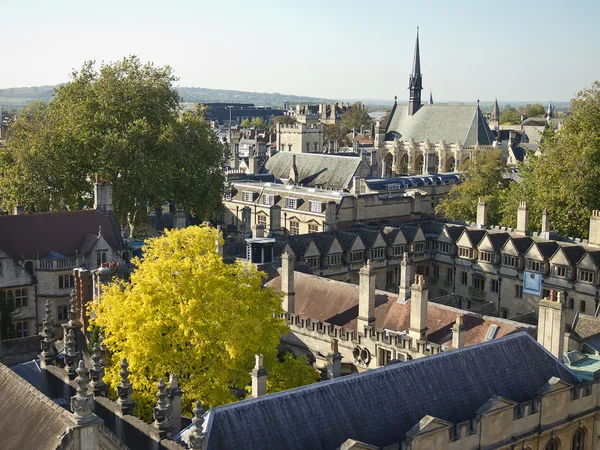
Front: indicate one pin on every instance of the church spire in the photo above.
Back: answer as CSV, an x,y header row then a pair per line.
x,y
415,81
550,112
496,111
430,97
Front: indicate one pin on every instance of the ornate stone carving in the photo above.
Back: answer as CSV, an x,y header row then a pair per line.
x,y
197,438
48,336
82,402
124,390
97,372
162,411
71,355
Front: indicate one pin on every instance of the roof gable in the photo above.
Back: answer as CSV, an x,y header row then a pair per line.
x,y
534,253
486,244
357,245
312,250
560,258
587,263
419,236
444,236
335,247
399,239
379,242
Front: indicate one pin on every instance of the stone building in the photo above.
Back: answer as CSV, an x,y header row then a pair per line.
x,y
326,114
505,394
299,138
429,138
38,253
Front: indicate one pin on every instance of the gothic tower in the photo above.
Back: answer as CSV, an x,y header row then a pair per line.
x,y
415,82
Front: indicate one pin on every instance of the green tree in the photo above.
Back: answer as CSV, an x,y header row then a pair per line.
x,y
284,120
355,117
481,179
535,110
336,133
122,121
510,117
565,179
256,122
185,311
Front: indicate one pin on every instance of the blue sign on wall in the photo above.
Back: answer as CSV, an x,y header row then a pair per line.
x,y
532,283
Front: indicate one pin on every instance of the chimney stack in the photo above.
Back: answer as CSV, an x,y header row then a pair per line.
x,y
405,277
545,232
287,282
522,216
102,195
334,361
594,238
258,231
366,298
356,185
458,332
419,300
259,378
330,212
481,214
551,323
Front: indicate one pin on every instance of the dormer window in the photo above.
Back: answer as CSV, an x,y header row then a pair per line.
x,y
486,257
356,256
313,262
418,247
398,250
291,202
464,252
509,261
378,253
534,266
561,271
247,196
315,207
587,277
334,260
444,247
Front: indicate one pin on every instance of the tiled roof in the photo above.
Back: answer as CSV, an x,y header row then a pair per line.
x,y
28,235
585,327
320,170
336,302
522,244
450,123
573,253
380,406
31,420
498,239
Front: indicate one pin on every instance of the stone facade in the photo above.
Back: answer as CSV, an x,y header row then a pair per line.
x,y
299,138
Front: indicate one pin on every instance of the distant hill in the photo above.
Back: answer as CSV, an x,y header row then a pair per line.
x,y
15,98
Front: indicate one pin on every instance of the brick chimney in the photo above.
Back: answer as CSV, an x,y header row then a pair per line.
x,y
481,214
522,216
551,323
103,195
366,298
287,282
419,300
259,378
405,277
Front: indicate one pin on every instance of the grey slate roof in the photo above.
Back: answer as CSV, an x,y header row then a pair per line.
x,y
319,170
451,123
380,406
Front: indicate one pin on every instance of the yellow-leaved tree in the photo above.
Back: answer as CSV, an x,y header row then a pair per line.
x,y
185,311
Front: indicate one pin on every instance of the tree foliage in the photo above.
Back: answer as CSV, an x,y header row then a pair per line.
x,y
336,133
355,117
510,116
482,179
256,122
122,121
284,120
535,110
186,312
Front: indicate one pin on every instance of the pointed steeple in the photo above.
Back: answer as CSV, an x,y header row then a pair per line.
x,y
430,97
495,111
550,112
415,81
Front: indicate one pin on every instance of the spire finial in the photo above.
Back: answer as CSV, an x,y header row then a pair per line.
x,y
124,389
71,354
48,336
73,310
162,411
197,438
97,372
82,402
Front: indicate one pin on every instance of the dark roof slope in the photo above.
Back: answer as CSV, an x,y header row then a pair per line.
x,y
31,420
36,235
380,406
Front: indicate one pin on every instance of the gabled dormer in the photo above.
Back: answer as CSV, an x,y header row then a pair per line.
x,y
488,250
513,252
334,254
356,252
398,245
312,256
467,243
445,242
588,268
563,262
418,242
537,258
378,249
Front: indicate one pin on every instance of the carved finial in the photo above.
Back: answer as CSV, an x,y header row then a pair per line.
x,y
124,389
162,410
97,372
48,336
369,264
82,402
334,346
71,355
73,321
560,297
197,438
173,381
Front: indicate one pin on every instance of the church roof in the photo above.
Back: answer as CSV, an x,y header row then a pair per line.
x,y
449,123
31,420
30,236
316,169
380,406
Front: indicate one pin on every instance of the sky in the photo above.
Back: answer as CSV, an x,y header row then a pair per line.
x,y
526,50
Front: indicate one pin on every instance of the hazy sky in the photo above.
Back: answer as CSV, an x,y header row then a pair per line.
x,y
513,50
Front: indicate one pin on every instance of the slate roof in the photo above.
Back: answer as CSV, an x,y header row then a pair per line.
x,y
31,420
498,239
319,170
522,244
573,253
380,406
336,302
451,123
65,232
475,235
547,248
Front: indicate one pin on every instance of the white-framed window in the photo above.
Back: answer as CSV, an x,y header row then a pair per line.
x,y
63,312
315,206
509,261
355,256
313,262
291,202
247,196
464,252
294,227
587,276
261,219
398,250
418,247
444,247
561,271
378,253
486,257
22,329
313,228
533,266
269,199
66,281
334,260
100,258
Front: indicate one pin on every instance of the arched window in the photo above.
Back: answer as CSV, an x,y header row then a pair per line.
x,y
552,444
404,165
579,440
450,163
419,164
